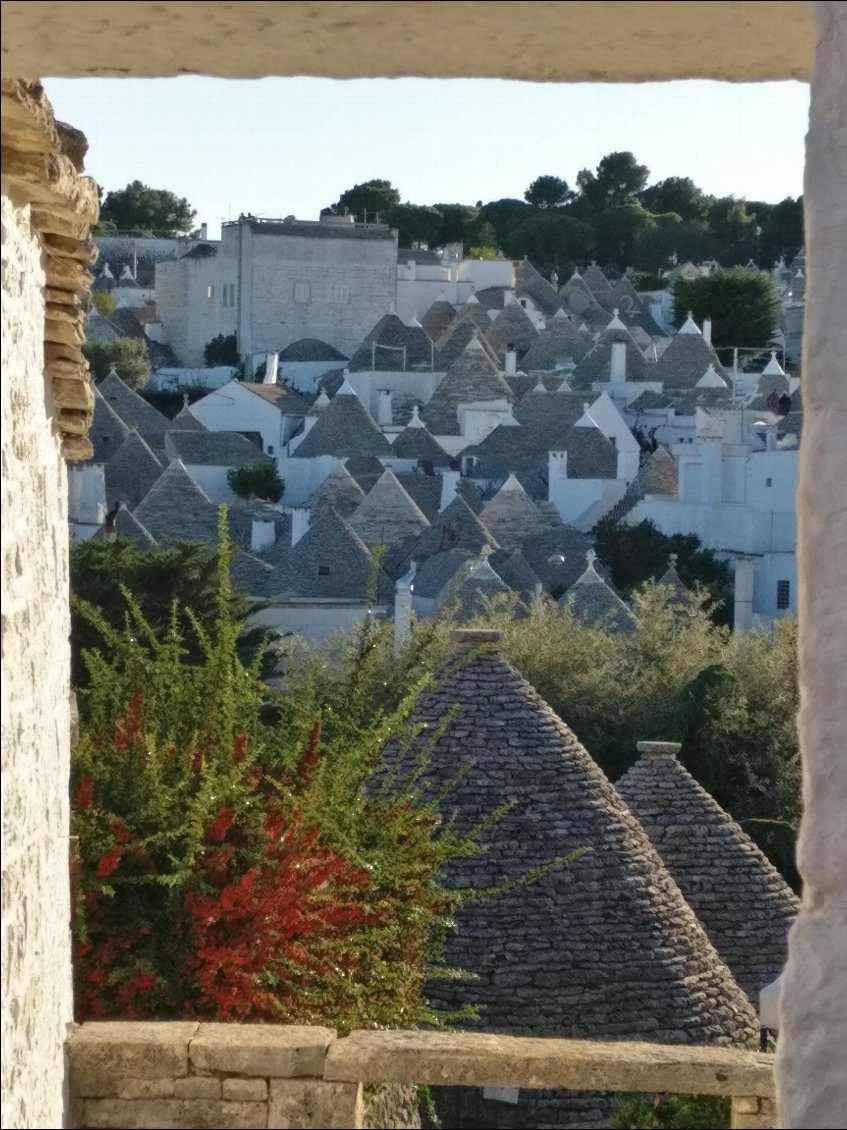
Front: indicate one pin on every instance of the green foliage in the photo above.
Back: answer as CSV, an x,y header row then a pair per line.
x,y
743,306
256,480
417,225
186,573
128,355
635,554
617,227
365,200
103,302
550,240
689,241
548,192
676,194
782,233
671,1112
144,211
221,350
617,181
243,853
734,229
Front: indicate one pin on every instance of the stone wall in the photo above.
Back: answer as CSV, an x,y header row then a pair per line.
x,y
191,1075
37,1001
46,407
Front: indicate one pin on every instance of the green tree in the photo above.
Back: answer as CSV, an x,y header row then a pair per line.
x,y
103,302
782,232
734,230
221,350
636,554
655,247
616,229
550,240
128,355
366,200
617,180
187,573
501,216
256,480
548,192
144,211
417,225
676,194
743,306
454,221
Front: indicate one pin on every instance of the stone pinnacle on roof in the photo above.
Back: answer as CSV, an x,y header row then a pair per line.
x,y
512,516
176,509
744,904
339,491
773,367
671,579
605,947
321,401
131,471
387,515
343,428
711,379
134,409
474,587
616,323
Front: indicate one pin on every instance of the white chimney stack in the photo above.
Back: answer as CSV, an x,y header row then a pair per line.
x,y
204,231
707,330
511,360
271,369
743,610
262,533
449,486
618,369
384,413
403,605
300,521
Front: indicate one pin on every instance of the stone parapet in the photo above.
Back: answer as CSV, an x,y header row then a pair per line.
x,y
42,163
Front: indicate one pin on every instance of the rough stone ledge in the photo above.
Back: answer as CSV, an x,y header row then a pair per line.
x,y
103,1055
271,1051
478,1060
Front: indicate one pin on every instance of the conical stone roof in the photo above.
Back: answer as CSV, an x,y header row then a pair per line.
x,y
511,326
417,442
456,339
339,491
473,589
176,509
671,580
456,527
659,474
108,431
437,318
557,344
744,904
512,516
131,472
329,560
596,365
344,428
592,602
472,377
605,947
185,421
134,410
393,346
387,515
686,359
129,528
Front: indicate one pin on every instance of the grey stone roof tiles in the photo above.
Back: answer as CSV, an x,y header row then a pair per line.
x,y
471,591
344,428
512,326
108,431
472,377
134,410
365,469
383,348
578,303
596,364
469,492
529,282
555,345
671,580
306,229
456,527
339,491
685,361
424,490
512,516
289,402
456,339
591,601
184,421
417,442
492,297
330,560
515,571
743,902
387,515
310,349
213,449
437,318
605,947
436,573
557,556
176,509
659,473
131,472
129,528
596,281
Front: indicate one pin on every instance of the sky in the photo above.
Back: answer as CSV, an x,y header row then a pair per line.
x,y
279,147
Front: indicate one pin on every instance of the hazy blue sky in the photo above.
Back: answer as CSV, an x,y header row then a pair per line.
x,y
279,147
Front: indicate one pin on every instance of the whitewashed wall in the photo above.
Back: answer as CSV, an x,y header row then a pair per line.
x,y
233,408
37,1001
188,299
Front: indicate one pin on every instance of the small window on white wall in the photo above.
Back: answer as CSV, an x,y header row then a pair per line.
x,y
768,482
341,295
302,292
232,294
783,594
210,292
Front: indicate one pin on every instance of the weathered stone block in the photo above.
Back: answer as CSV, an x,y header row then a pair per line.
x,y
245,1090
311,1103
198,1087
260,1049
173,1114
145,1088
750,1113
103,1055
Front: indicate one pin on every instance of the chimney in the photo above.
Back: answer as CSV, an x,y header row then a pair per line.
x,y
271,369
403,605
472,637
300,516
449,485
384,413
511,360
707,330
262,533
618,369
204,231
